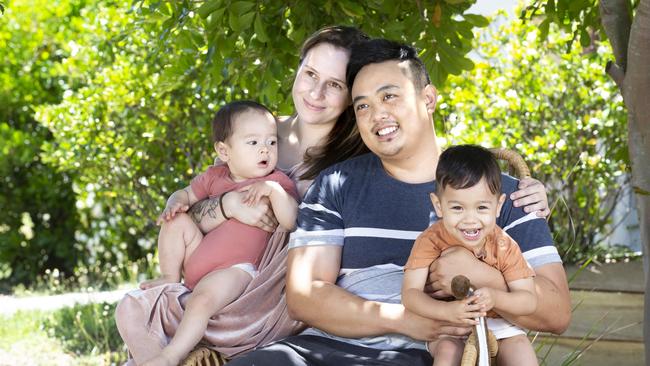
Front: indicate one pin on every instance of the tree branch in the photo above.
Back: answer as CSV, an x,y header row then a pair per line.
x,y
617,21
616,73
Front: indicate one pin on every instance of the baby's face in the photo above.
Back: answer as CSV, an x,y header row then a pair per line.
x,y
468,214
252,149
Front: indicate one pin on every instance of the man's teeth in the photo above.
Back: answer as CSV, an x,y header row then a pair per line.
x,y
387,130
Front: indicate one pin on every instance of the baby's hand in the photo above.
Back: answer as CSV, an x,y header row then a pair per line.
x,y
464,312
171,210
257,190
485,298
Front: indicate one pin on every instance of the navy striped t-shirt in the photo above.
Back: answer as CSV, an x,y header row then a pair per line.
x,y
376,219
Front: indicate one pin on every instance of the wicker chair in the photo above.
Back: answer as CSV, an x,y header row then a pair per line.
x,y
204,356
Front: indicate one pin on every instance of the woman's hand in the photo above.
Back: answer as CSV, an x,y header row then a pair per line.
x,y
170,211
532,196
259,215
256,191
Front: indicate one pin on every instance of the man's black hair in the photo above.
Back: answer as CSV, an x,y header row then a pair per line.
x,y
463,166
380,50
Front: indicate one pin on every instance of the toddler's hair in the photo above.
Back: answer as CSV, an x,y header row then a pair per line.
x,y
223,121
463,166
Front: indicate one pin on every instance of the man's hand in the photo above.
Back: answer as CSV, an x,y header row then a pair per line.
x,y
418,327
464,312
456,261
532,196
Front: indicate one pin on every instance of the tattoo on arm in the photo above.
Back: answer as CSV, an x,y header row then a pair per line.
x,y
208,207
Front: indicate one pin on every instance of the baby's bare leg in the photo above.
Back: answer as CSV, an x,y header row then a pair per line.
x,y
516,350
212,293
446,351
177,240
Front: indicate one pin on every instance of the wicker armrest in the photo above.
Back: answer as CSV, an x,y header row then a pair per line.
x,y
515,161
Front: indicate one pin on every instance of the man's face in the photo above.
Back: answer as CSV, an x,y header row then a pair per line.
x,y
394,118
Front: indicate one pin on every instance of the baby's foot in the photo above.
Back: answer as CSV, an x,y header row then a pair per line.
x,y
157,282
160,360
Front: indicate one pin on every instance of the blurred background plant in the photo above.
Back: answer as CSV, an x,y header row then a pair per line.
x,y
557,108
105,110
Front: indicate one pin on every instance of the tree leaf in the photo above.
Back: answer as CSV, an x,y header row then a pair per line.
x,y
241,7
209,7
477,20
259,29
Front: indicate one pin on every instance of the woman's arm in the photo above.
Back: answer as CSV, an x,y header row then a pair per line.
x,y
207,213
284,205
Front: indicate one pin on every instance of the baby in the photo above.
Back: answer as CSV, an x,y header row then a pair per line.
x,y
225,260
468,200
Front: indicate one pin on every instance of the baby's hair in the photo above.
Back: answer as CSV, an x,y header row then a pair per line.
x,y
463,166
222,125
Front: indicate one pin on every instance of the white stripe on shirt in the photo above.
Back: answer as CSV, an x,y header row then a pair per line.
x,y
320,208
301,233
530,216
371,232
543,255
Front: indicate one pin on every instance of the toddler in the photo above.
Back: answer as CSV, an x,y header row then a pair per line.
x,y
468,200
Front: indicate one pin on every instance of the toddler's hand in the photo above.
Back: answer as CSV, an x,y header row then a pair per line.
x,y
170,211
256,191
485,298
465,311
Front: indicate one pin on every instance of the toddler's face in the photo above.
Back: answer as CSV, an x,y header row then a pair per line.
x,y
252,149
468,214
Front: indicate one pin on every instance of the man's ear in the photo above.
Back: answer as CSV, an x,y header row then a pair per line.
x,y
436,204
222,150
430,95
502,199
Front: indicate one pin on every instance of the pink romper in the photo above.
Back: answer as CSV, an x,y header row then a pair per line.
x,y
232,242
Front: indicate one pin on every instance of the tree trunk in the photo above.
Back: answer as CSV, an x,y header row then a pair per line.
x,y
632,75
636,93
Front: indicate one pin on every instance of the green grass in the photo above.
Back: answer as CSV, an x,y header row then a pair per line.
x,y
76,336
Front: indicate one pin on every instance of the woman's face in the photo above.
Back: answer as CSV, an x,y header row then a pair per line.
x,y
319,91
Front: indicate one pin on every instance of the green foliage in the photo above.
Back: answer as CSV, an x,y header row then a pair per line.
x,y
38,215
135,126
219,38
87,330
561,112
578,18
105,110
83,335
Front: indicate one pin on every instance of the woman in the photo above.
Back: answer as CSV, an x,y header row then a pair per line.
x,y
320,133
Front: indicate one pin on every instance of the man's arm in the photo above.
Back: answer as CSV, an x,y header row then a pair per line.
x,y
553,312
314,298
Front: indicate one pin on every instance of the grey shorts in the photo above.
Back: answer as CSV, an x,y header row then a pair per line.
x,y
304,350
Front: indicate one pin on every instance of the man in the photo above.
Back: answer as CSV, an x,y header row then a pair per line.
x,y
357,225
